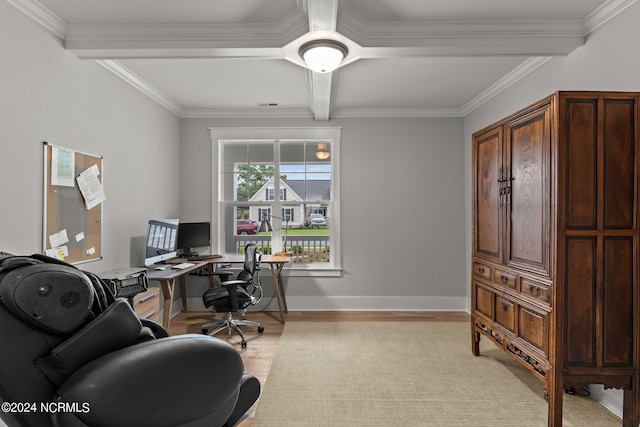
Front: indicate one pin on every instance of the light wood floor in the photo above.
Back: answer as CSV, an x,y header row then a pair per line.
x,y
261,348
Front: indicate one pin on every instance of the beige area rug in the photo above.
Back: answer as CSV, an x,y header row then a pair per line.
x,y
404,374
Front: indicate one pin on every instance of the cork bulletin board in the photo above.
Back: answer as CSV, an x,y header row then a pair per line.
x,y
73,202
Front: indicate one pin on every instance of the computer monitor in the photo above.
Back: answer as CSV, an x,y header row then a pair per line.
x,y
193,235
162,239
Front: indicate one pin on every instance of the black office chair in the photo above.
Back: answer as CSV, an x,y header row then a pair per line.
x,y
234,296
74,356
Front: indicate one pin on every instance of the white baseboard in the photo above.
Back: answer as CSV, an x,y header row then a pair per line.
x,y
348,303
383,303
612,399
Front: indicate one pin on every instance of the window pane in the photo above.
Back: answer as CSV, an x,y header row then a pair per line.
x,y
305,172
246,169
242,226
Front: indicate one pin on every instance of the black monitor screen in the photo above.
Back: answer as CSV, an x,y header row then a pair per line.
x,y
193,235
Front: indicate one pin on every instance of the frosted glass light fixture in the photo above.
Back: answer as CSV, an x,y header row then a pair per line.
x,y
323,56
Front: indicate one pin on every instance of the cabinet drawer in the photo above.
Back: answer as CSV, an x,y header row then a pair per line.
x,y
505,278
484,301
505,313
535,290
147,304
482,270
532,327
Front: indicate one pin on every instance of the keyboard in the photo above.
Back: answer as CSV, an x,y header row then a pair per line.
x,y
182,265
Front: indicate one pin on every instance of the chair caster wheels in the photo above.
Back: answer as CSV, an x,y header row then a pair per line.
x,y
260,329
205,331
243,344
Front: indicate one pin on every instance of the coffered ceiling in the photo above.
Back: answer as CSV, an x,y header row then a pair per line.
x,y
407,58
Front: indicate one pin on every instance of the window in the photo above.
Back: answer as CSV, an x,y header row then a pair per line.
x,y
298,164
271,193
287,214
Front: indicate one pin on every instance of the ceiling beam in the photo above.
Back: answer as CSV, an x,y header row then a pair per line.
x,y
320,93
323,16
267,41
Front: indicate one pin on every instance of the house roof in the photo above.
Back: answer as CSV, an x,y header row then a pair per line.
x,y
315,189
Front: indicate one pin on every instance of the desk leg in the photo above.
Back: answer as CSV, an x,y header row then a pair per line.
x,y
183,290
168,287
276,269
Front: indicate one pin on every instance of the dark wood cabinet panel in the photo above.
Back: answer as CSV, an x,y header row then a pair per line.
x,y
619,179
580,301
527,142
618,307
581,160
505,313
532,327
488,168
484,301
556,243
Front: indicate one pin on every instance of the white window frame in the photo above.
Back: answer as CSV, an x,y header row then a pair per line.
x,y
275,134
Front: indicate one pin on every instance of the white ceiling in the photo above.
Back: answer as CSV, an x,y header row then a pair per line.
x,y
413,58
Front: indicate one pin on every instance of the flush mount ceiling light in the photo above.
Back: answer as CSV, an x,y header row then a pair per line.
x,y
323,56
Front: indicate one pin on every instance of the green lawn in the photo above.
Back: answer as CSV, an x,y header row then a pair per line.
x,y
304,232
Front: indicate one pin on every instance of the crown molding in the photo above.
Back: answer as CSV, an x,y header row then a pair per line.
x,y
395,113
510,79
604,13
43,16
128,76
250,113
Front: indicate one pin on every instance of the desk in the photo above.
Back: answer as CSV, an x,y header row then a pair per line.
x,y
276,262
167,279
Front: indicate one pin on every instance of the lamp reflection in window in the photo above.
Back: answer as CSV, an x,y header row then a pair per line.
x,y
323,152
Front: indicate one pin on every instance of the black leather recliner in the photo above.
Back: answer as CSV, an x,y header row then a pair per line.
x,y
74,356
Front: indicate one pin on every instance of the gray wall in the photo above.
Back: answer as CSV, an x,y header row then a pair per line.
x,y
413,174
47,94
402,211
608,61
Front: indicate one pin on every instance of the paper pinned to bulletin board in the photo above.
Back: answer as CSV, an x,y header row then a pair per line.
x,y
73,201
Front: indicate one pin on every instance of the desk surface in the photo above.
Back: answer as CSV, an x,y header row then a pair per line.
x,y
236,259
172,273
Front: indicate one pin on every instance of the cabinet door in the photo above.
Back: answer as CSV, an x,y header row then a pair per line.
x,y
528,154
487,158
600,192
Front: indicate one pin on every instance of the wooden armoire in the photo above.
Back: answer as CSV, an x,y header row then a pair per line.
x,y
555,243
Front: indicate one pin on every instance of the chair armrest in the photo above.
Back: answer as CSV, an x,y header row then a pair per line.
x,y
233,283
115,328
167,382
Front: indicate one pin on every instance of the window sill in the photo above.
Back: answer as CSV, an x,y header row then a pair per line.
x,y
311,272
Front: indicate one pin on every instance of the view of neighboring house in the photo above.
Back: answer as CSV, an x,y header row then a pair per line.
x,y
311,196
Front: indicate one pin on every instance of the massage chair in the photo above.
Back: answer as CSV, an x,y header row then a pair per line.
x,y
72,355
